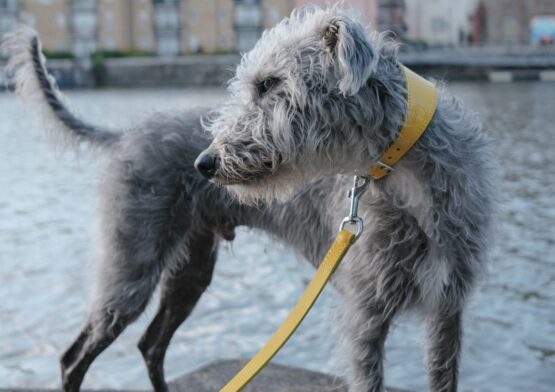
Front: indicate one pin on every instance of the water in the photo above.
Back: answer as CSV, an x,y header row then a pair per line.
x,y
46,214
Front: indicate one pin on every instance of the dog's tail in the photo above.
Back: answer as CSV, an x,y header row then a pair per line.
x,y
26,70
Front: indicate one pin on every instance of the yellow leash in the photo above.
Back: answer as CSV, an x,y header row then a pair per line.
x,y
338,249
422,101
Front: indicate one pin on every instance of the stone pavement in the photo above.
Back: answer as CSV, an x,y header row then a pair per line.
x,y
274,378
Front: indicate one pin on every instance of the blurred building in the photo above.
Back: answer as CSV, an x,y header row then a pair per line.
x,y
9,14
368,9
163,27
542,30
83,27
175,27
251,17
391,17
508,21
378,14
440,22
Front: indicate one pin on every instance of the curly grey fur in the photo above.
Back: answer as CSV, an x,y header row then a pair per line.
x,y
27,70
336,101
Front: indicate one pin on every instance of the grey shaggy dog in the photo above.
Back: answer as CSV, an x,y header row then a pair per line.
x,y
315,100
321,96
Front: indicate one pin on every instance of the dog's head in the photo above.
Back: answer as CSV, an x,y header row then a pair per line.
x,y
300,105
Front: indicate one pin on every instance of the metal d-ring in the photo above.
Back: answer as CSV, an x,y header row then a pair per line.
x,y
360,185
353,221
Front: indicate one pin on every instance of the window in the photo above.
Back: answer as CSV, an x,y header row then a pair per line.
x,y
10,5
438,25
248,23
167,26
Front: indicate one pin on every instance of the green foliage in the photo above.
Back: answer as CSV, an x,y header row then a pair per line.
x,y
99,57
223,52
123,53
98,68
414,44
201,51
58,55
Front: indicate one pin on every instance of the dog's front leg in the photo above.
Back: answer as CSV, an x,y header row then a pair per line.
x,y
444,345
365,330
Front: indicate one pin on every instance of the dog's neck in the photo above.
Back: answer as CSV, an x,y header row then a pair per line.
x,y
409,97
389,95
421,97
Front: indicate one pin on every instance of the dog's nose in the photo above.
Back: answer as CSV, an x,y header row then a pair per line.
x,y
207,164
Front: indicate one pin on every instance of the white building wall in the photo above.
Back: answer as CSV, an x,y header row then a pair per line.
x,y
439,22
8,15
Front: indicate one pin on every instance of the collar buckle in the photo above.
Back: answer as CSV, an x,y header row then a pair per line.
x,y
385,166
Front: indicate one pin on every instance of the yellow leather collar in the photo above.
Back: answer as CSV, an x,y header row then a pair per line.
x,y
421,106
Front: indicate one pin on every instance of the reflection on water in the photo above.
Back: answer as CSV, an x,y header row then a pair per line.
x,y
46,213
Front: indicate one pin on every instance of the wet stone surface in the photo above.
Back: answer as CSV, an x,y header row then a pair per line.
x,y
274,378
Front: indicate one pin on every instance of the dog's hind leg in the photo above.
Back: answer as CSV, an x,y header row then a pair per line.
x,y
141,238
121,301
104,325
180,291
101,329
80,355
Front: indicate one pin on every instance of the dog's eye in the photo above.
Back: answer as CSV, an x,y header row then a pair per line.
x,y
266,85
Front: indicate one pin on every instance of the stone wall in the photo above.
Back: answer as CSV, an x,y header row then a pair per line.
x,y
193,71
524,63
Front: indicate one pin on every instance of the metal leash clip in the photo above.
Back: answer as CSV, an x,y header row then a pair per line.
x,y
360,185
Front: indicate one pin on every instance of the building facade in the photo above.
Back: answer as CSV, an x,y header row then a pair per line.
x,y
391,17
441,22
9,15
377,14
163,27
83,28
207,27
508,22
247,23
368,9
125,24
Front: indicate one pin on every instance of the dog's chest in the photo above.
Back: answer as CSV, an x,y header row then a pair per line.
x,y
432,278
398,222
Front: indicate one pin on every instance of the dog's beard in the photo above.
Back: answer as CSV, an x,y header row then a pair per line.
x,y
274,187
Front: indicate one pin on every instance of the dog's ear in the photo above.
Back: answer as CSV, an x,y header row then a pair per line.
x,y
352,53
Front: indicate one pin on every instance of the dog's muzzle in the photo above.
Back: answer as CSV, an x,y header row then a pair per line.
x,y
207,164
